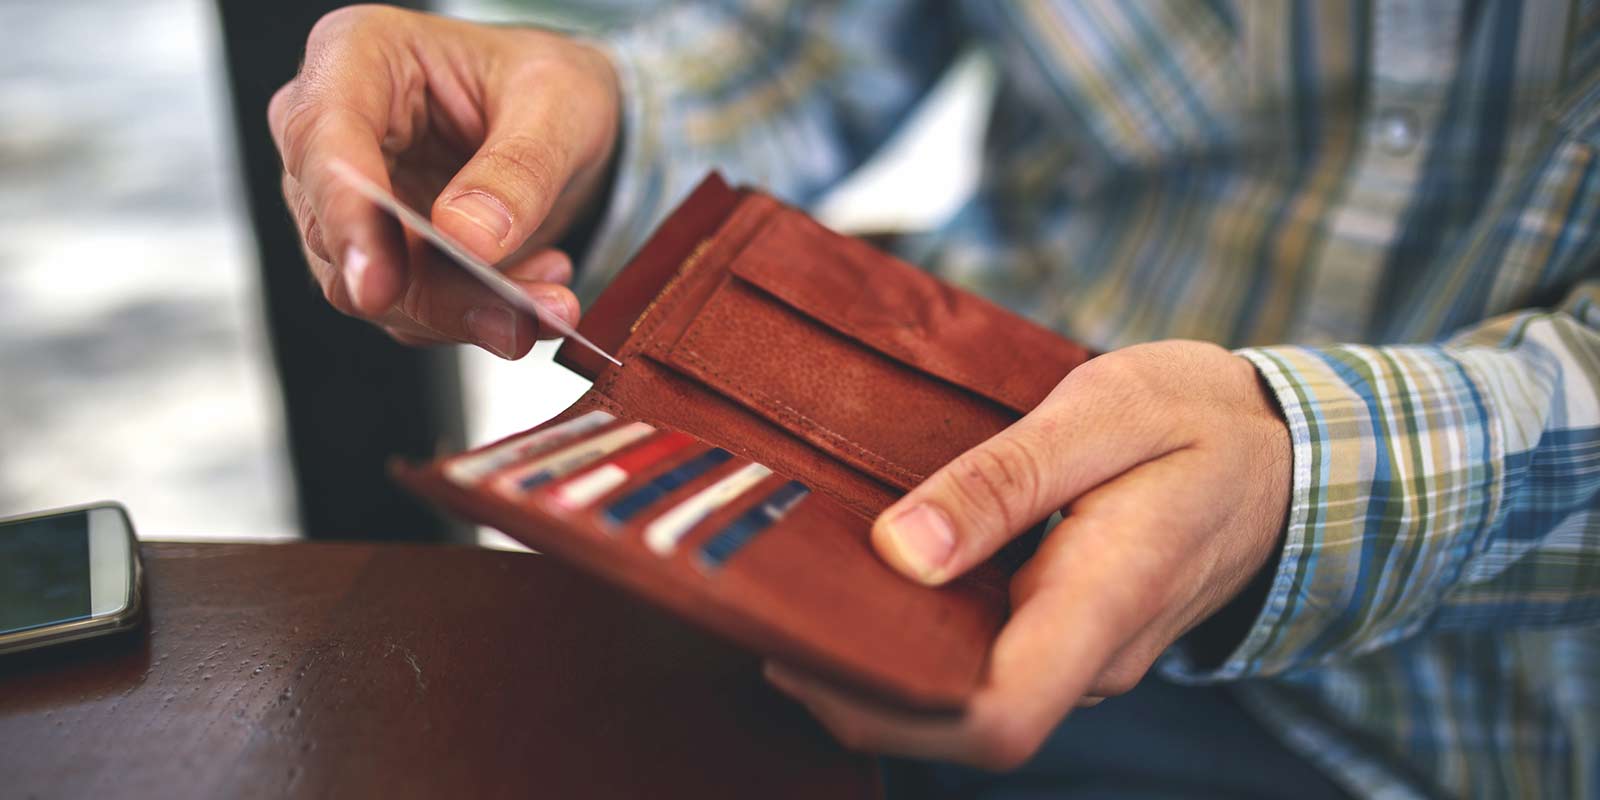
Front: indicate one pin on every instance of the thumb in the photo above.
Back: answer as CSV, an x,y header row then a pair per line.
x,y
1083,434
970,508
505,191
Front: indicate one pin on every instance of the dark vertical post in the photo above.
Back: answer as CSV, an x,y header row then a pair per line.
x,y
352,397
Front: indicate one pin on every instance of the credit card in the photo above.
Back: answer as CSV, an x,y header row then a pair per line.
x,y
721,547
477,267
663,534
579,491
470,468
573,457
643,497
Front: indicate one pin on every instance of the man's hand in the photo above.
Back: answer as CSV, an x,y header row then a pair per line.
x,y
1171,463
506,134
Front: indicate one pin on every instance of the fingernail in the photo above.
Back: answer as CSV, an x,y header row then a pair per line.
x,y
923,540
494,329
355,270
554,302
485,211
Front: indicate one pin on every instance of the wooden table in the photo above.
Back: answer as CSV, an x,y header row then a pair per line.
x,y
402,670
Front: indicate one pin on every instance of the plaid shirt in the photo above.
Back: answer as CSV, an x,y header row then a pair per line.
x,y
1389,206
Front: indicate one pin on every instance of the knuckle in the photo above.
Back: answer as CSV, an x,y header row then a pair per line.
x,y
586,79
297,122
299,204
343,21
305,218
1000,479
311,235
1144,384
1109,368
529,165
1134,374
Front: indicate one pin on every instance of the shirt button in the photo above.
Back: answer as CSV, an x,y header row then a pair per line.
x,y
1397,131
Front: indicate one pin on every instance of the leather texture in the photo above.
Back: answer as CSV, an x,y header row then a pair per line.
x,y
749,326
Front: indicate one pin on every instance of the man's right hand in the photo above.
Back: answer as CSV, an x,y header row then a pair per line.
x,y
506,134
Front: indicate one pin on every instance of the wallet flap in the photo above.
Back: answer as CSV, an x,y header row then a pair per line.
x,y
899,310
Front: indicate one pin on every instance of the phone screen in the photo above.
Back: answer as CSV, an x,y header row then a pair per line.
x,y
45,572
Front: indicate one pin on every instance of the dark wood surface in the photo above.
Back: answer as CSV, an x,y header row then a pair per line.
x,y
402,670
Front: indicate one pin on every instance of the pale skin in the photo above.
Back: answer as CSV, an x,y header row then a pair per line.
x,y
1170,460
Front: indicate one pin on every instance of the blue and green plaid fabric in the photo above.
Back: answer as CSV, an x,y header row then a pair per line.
x,y
1390,207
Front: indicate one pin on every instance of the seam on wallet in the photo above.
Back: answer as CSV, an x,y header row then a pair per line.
x,y
664,304
785,410
609,405
688,265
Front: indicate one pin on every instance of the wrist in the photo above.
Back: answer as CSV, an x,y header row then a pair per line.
x,y
1216,637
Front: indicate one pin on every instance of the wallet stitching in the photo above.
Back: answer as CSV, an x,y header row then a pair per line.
x,y
689,263
665,305
784,409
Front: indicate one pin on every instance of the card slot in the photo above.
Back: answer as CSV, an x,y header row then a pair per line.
x,y
516,482
674,399
724,543
628,512
595,513
590,485
473,466
663,533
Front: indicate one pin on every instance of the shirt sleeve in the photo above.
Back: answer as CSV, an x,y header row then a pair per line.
x,y
787,95
1440,487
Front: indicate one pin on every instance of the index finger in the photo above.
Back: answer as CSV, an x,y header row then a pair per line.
x,y
343,122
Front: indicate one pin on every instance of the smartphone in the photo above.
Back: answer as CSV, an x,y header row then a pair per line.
x,y
66,575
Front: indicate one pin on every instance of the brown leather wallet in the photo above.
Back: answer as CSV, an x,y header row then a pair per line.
x,y
849,374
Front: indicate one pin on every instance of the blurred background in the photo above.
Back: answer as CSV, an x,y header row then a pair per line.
x,y
160,342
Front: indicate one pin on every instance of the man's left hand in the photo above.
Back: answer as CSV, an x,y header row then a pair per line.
x,y
1171,464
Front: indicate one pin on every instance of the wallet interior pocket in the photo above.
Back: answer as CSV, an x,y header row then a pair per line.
x,y
876,413
869,360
